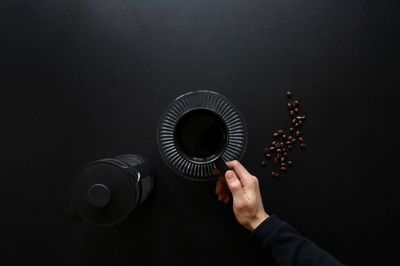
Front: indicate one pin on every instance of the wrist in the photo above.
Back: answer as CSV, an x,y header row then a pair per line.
x,y
258,219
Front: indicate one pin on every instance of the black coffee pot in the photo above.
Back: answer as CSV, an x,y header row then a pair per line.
x,y
106,191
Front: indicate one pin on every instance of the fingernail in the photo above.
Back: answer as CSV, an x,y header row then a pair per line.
x,y
229,175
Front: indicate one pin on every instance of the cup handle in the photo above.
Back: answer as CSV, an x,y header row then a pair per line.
x,y
221,165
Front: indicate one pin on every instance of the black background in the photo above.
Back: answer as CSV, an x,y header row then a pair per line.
x,y
84,80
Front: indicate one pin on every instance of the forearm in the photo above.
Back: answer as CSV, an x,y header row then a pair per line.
x,y
288,247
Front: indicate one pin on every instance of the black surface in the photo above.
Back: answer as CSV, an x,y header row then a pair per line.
x,y
84,80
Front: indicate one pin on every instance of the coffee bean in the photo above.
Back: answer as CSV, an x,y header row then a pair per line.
x,y
290,163
283,164
275,160
268,155
284,150
294,121
285,154
300,122
284,169
297,103
277,145
284,136
266,150
296,110
275,135
273,143
298,133
272,148
288,143
299,117
304,118
290,138
289,147
291,113
301,139
293,140
296,125
278,155
282,143
289,94
274,175
280,132
278,150
302,146
283,159
289,106
291,130
263,163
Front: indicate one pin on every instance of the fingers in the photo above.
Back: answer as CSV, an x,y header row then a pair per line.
x,y
226,200
215,172
218,186
225,190
222,190
234,184
241,172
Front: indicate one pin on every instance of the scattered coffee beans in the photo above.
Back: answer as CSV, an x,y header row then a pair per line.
x,y
284,141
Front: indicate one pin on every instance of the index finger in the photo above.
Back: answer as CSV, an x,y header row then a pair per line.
x,y
240,171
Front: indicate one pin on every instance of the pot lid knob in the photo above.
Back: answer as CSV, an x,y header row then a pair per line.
x,y
98,195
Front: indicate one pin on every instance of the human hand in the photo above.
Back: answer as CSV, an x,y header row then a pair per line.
x,y
247,202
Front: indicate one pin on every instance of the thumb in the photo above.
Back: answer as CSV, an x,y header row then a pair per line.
x,y
234,184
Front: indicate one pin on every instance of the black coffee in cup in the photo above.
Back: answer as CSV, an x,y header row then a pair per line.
x,y
201,135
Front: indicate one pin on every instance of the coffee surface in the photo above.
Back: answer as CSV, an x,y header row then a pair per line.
x,y
200,133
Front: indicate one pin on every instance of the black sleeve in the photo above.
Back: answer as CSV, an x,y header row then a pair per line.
x,y
288,247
